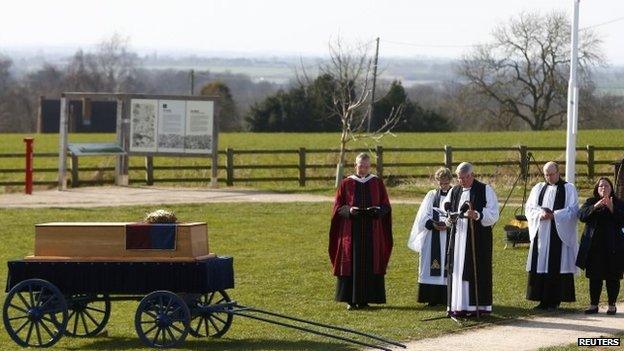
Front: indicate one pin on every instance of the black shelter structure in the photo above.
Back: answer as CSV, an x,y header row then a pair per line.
x,y
85,116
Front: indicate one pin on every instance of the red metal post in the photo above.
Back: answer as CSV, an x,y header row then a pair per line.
x,y
29,165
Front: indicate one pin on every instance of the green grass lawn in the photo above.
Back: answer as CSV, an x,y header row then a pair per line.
x,y
281,264
407,188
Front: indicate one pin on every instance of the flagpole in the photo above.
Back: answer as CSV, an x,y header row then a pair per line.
x,y
570,166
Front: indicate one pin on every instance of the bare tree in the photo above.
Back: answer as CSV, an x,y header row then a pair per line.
x,y
111,68
83,73
5,74
350,69
116,63
600,110
15,107
524,71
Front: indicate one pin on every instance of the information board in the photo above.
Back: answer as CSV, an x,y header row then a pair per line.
x,y
171,126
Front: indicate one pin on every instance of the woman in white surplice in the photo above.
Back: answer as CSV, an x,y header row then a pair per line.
x,y
428,237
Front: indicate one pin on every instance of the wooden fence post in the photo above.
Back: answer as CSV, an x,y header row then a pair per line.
x,y
590,162
229,166
448,157
302,166
524,161
379,161
149,170
75,182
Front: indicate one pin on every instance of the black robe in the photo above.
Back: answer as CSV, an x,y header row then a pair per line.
x,y
432,293
362,286
483,247
601,252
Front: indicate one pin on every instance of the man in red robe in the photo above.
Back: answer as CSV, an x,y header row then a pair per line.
x,y
360,237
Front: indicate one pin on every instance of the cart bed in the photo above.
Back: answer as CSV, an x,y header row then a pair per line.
x,y
202,276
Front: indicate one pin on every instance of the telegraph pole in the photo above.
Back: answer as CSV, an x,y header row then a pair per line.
x,y
372,102
192,81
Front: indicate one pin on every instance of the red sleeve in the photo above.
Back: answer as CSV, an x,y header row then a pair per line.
x,y
334,230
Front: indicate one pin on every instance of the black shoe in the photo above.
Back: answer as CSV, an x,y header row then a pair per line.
x,y
553,308
610,311
363,305
351,307
541,307
593,310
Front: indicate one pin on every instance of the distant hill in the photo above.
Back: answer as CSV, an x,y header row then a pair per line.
x,y
283,69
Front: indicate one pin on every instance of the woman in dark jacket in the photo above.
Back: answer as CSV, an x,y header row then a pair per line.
x,y
600,251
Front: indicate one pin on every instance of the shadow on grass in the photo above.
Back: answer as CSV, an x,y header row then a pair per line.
x,y
404,308
125,343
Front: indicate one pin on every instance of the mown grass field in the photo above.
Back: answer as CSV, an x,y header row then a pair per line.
x,y
282,265
406,188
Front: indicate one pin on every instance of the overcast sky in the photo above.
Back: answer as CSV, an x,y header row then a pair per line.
x,y
436,28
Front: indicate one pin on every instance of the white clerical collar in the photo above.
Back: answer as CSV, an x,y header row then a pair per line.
x,y
466,189
362,179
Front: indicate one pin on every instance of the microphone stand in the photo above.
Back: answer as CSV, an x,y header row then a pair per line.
x,y
474,259
452,220
449,275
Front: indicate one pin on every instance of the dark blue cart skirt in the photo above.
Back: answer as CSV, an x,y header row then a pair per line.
x,y
212,274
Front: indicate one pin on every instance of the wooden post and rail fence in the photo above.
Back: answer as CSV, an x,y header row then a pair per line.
x,y
305,170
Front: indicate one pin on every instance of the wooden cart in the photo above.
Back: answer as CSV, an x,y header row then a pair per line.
x,y
78,269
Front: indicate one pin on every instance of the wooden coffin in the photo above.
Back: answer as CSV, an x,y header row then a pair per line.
x,y
106,241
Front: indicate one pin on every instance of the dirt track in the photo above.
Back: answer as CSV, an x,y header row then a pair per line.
x,y
107,196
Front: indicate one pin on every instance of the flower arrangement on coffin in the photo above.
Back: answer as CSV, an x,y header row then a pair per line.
x,y
160,216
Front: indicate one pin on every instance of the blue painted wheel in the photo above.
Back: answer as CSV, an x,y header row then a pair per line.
x,y
209,319
35,313
88,315
162,319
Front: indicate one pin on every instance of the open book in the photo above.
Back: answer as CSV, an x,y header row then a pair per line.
x,y
366,210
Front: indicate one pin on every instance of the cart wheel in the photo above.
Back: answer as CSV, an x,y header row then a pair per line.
x,y
88,315
213,322
162,319
35,313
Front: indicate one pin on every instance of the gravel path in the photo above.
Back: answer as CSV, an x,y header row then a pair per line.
x,y
107,196
553,329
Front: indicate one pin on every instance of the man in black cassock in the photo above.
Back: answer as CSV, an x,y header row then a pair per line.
x,y
465,282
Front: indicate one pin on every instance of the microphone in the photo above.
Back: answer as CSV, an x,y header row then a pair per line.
x,y
453,216
465,207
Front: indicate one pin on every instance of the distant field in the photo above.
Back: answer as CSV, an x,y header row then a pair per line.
x,y
615,137
12,143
